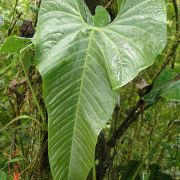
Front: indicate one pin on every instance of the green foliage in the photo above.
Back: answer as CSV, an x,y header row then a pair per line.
x,y
157,174
129,169
167,85
14,44
172,91
101,17
146,114
78,61
2,175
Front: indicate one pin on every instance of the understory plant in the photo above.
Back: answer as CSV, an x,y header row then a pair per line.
x,y
84,60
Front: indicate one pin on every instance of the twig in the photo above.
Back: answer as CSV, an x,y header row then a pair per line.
x,y
132,115
13,24
14,21
176,11
36,18
31,89
108,4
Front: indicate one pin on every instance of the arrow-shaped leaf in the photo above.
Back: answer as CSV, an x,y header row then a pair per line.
x,y
80,65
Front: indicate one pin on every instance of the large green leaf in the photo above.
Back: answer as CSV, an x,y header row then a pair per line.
x,y
82,64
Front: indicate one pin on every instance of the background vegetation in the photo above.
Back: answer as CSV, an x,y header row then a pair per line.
x,y
141,139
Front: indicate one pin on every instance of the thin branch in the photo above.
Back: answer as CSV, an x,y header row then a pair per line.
x,y
132,115
13,24
176,11
108,4
32,90
14,20
36,18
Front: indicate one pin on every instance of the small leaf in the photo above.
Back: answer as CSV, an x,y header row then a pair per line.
x,y
14,44
160,84
152,97
101,17
172,91
15,160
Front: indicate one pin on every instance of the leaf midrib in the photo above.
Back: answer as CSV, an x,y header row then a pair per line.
x,y
78,104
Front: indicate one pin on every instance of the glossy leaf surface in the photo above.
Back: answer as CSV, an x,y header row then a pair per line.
x,y
82,64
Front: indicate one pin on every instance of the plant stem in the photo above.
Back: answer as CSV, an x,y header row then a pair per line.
x,y
14,20
36,17
108,4
31,89
94,170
